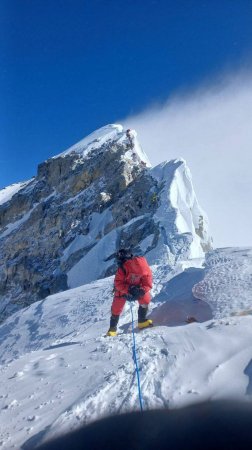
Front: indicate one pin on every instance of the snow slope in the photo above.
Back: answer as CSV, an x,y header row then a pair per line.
x,y
59,371
227,285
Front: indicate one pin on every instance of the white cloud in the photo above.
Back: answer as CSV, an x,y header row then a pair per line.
x,y
212,129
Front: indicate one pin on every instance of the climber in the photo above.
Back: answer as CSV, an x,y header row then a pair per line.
x,y
133,281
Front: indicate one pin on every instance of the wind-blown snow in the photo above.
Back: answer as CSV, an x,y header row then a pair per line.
x,y
59,371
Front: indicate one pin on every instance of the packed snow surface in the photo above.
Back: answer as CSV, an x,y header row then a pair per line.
x,y
59,371
227,285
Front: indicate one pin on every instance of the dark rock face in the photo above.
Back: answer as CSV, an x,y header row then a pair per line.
x,y
42,219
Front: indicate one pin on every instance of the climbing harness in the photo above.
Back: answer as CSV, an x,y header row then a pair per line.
x,y
135,359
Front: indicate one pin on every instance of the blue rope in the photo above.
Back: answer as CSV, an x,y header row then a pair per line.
x,y
135,360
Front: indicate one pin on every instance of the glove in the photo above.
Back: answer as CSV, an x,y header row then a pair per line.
x,y
135,292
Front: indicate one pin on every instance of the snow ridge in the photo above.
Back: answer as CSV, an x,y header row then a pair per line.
x,y
109,133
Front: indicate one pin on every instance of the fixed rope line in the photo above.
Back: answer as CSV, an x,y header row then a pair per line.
x,y
135,359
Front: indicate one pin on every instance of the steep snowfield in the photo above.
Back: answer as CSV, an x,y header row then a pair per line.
x,y
58,370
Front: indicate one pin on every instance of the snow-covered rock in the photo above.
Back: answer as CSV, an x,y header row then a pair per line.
x,y
61,229
7,193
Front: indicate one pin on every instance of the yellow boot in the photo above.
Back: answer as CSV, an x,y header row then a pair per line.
x,y
111,333
113,325
147,323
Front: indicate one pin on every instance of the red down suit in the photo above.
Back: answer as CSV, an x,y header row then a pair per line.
x,y
134,271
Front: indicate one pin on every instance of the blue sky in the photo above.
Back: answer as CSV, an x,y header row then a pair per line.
x,y
71,66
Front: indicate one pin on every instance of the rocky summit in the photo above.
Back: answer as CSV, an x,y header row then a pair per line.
x,y
62,228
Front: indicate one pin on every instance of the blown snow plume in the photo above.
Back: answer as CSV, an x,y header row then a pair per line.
x,y
62,228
